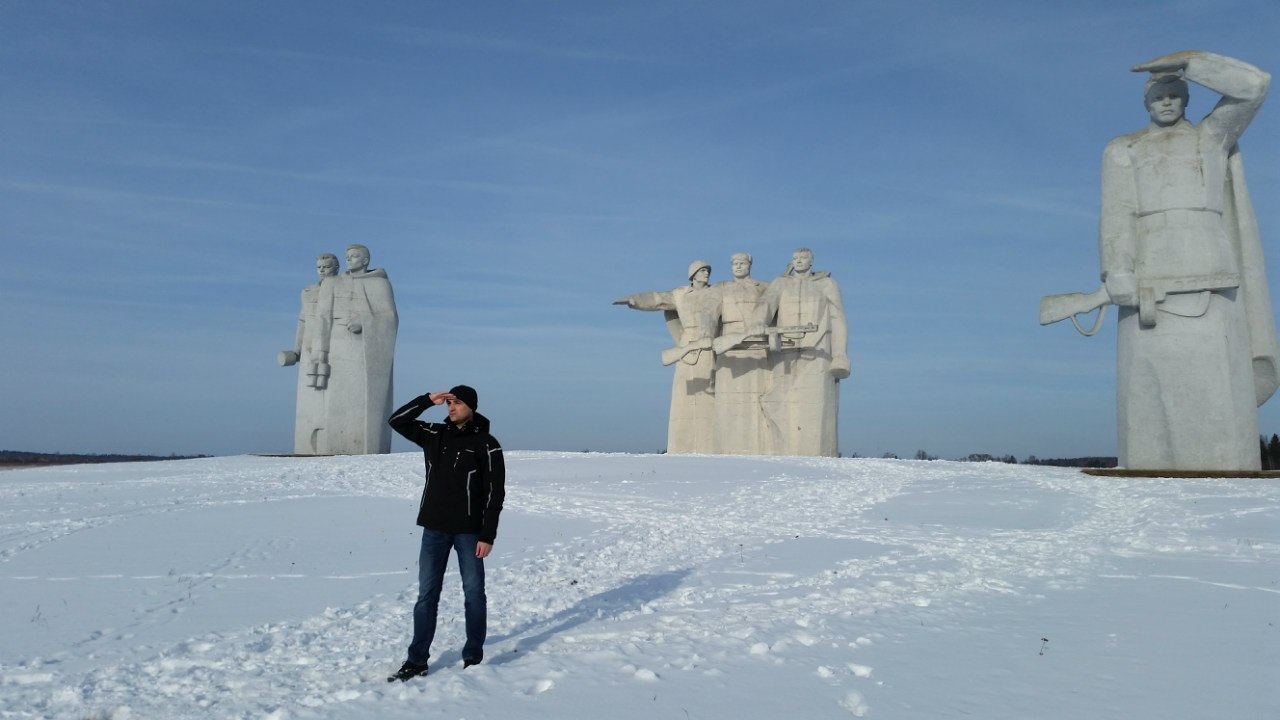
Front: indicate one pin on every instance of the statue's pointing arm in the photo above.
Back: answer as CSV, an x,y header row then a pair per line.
x,y
648,301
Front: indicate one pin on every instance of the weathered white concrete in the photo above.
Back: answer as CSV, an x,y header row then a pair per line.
x,y
309,418
802,405
357,341
780,350
1181,257
742,368
687,311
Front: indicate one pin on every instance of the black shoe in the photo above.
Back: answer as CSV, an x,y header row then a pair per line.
x,y
468,662
408,670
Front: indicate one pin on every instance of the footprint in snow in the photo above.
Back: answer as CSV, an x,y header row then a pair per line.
x,y
855,704
861,671
806,639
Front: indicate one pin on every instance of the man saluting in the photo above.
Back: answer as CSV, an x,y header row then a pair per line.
x,y
459,511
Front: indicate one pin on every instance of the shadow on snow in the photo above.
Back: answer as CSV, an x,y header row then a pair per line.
x,y
607,605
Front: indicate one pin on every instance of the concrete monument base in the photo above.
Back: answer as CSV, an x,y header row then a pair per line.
x,y
1124,472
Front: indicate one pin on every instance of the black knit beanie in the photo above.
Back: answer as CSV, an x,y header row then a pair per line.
x,y
466,394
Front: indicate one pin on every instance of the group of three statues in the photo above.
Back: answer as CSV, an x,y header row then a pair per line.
x,y
757,364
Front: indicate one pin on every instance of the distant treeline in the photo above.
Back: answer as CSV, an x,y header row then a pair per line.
x,y
1270,450
1080,462
10,458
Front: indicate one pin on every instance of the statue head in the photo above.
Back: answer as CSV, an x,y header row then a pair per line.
x,y
357,258
326,265
1165,97
740,263
802,260
700,272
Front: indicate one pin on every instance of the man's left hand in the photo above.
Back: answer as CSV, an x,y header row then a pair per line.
x,y
483,549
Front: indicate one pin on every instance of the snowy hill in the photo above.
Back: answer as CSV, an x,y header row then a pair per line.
x,y
643,586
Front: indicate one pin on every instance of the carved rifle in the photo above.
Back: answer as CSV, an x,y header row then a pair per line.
x,y
675,354
1150,294
733,340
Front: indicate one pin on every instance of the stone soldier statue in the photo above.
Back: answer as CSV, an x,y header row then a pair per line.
x,y
1182,259
310,414
357,340
741,364
802,406
687,311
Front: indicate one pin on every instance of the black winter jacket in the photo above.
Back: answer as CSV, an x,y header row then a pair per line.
x,y
465,472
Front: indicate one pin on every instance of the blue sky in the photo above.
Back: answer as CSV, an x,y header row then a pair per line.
x,y
168,172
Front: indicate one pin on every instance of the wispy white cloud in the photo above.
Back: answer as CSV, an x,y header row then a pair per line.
x,y
436,38
306,57
106,194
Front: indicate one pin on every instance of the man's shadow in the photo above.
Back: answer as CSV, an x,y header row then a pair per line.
x,y
603,606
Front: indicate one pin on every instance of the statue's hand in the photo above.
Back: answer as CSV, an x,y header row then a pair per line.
x,y
840,367
1123,288
1167,63
623,301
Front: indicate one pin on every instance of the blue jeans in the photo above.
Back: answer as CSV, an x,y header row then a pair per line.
x,y
432,561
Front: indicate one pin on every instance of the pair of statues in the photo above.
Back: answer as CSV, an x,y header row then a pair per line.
x,y
344,350
757,364
1182,260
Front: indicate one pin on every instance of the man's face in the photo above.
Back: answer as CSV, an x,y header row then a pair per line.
x,y
357,260
327,267
459,412
1165,106
802,261
741,266
702,276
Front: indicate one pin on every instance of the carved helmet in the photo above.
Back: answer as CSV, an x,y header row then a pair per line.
x,y
697,265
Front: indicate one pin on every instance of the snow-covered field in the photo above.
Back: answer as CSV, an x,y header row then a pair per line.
x,y
643,586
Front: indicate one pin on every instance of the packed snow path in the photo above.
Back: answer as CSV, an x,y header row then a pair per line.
x,y
635,586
